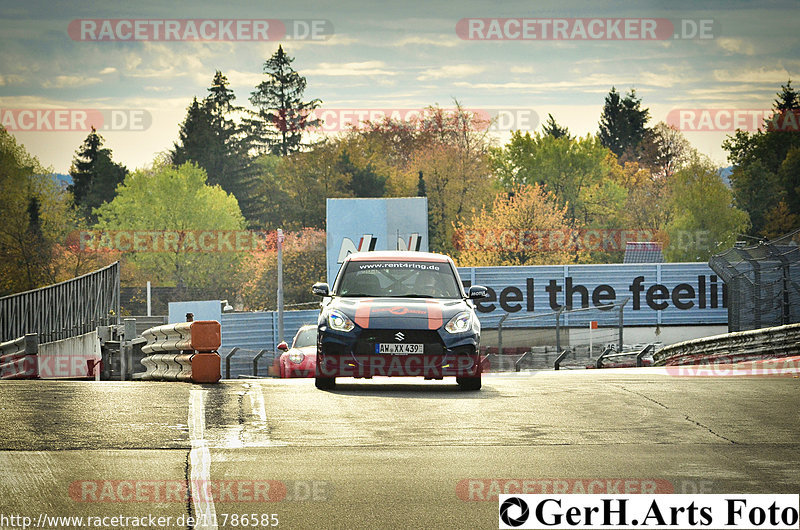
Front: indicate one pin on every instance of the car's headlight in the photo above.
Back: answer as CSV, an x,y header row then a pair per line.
x,y
339,321
460,323
296,357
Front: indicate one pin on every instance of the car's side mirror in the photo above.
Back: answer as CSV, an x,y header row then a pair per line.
x,y
321,289
477,292
282,346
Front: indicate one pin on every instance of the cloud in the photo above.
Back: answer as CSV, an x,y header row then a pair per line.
x,y
334,40
239,79
70,81
601,83
739,46
737,96
10,80
759,76
522,69
157,59
108,70
158,88
445,42
370,68
451,70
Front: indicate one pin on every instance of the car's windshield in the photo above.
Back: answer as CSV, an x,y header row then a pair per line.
x,y
418,279
305,337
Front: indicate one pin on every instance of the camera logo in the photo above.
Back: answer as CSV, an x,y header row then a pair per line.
x,y
514,502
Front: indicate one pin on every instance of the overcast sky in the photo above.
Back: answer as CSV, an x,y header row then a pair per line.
x,y
404,55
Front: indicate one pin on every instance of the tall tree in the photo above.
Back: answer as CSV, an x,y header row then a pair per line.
x,y
421,190
765,163
574,169
788,98
455,183
622,124
704,220
282,116
665,150
196,139
552,128
364,181
211,138
303,264
95,176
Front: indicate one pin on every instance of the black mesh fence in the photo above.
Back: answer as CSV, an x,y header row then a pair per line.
x,y
763,282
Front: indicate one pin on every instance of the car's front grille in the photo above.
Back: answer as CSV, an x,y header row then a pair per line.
x,y
431,340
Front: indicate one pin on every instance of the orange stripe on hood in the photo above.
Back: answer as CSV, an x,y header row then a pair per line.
x,y
362,313
434,314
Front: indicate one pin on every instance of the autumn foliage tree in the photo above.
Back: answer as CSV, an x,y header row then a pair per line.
x,y
526,226
303,265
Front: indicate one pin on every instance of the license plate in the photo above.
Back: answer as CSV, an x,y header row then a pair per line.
x,y
398,349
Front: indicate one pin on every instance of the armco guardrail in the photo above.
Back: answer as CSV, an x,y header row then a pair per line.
x,y
740,346
18,358
186,351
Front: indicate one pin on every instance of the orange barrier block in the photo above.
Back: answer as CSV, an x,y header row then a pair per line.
x,y
206,368
206,335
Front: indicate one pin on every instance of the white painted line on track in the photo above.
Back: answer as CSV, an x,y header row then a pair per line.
x,y
200,463
259,407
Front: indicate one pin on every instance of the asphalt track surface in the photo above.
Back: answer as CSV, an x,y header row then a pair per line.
x,y
390,453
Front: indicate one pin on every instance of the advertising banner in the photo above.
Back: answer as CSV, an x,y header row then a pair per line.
x,y
657,293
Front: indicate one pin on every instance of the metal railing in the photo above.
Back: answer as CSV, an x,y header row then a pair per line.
x,y
762,282
610,317
65,309
609,354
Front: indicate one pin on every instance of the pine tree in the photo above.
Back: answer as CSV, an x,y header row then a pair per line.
x,y
421,190
214,141
363,181
197,141
788,98
282,116
553,129
622,124
95,175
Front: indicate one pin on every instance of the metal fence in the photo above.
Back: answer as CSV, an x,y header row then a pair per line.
x,y
63,310
762,280
258,330
589,330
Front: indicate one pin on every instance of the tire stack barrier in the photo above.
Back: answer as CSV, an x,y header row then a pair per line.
x,y
186,351
728,348
19,358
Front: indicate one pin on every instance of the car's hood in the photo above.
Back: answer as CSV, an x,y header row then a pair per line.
x,y
392,313
305,350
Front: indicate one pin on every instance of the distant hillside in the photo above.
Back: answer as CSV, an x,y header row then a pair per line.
x,y
62,179
725,173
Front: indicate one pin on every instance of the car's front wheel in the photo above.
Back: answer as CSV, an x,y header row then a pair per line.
x,y
469,383
325,383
